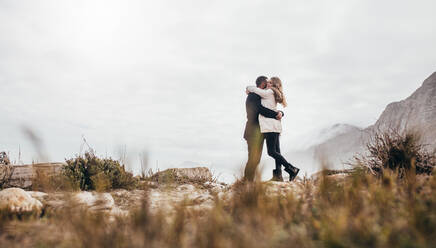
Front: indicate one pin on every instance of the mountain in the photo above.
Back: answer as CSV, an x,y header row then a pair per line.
x,y
337,130
315,138
418,111
309,154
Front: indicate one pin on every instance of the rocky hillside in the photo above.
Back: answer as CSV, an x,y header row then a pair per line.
x,y
418,111
309,154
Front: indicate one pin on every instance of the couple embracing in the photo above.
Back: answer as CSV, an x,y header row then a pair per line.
x,y
264,123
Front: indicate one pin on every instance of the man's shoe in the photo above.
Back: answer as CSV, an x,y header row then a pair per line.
x,y
292,171
277,175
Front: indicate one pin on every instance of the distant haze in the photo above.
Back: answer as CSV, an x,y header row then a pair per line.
x,y
168,77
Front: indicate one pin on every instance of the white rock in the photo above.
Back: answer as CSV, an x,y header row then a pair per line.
x,y
186,188
38,195
99,202
84,197
166,199
281,188
95,201
19,201
216,187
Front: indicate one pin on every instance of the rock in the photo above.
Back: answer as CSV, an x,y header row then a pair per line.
x,y
19,201
216,186
23,175
41,196
183,175
56,204
194,197
128,199
95,201
332,174
418,109
186,188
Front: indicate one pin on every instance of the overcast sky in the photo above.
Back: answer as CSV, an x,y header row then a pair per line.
x,y
168,77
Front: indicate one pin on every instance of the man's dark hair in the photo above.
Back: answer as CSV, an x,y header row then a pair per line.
x,y
260,80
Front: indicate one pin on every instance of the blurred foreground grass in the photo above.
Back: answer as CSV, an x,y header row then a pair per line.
x,y
357,211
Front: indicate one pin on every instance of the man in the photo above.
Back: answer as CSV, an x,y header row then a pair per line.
x,y
252,133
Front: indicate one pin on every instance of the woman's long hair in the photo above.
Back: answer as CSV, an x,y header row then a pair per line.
x,y
278,91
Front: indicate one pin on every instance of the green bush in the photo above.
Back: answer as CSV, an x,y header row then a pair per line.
x,y
89,172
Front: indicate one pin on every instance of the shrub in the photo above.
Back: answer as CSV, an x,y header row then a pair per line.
x,y
397,151
6,172
4,158
92,173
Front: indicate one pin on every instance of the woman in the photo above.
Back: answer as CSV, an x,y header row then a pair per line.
x,y
271,128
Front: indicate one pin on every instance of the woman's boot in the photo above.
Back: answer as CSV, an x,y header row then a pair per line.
x,y
292,171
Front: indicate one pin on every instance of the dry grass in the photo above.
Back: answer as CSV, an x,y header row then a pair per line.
x,y
6,172
359,211
397,151
49,181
